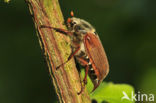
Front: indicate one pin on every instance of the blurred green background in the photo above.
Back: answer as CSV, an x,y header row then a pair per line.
x,y
127,29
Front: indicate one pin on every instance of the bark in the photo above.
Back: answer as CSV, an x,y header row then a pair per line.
x,y
56,48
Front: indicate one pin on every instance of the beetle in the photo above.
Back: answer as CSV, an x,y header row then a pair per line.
x,y
86,48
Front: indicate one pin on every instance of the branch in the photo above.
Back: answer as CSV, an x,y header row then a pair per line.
x,y
56,48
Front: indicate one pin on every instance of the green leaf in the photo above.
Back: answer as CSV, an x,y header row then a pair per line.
x,y
112,93
109,92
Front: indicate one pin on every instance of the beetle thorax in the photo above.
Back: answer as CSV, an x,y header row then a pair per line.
x,y
80,28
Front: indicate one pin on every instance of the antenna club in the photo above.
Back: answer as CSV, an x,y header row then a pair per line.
x,y
68,20
72,13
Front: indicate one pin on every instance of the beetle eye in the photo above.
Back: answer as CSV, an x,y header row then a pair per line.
x,y
72,23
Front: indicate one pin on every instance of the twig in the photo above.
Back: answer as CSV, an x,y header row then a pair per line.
x,y
56,48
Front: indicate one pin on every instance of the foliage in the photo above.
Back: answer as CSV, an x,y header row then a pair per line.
x,y
112,93
109,92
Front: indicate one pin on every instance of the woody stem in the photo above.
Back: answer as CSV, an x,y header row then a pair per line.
x,y
56,48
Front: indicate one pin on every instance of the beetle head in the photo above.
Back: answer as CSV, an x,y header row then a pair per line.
x,y
79,26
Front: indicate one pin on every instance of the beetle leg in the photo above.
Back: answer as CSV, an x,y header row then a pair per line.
x,y
63,31
71,55
86,73
84,63
84,80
